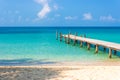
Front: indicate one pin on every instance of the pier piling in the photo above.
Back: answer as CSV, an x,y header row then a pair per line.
x,y
81,44
65,39
75,39
88,46
106,45
110,53
96,50
68,38
56,35
60,36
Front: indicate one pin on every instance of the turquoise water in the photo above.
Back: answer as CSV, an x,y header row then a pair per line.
x,y
39,45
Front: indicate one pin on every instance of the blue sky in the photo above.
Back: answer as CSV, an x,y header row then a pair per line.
x,y
59,12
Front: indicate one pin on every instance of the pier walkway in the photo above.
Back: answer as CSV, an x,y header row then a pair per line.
x,y
113,47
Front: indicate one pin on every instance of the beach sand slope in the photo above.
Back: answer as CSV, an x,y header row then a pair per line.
x,y
60,73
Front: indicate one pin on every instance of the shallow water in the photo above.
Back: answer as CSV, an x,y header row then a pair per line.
x,y
39,45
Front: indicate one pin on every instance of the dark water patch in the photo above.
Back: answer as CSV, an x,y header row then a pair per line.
x,y
25,61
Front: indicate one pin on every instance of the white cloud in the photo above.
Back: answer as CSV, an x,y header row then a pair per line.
x,y
87,16
70,18
107,18
45,10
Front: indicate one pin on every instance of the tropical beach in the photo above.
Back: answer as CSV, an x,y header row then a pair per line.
x,y
59,40
70,63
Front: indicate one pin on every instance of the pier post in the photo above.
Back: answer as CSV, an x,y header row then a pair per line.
x,y
75,39
68,38
81,44
76,35
110,53
65,39
56,35
88,46
96,49
70,34
115,52
60,36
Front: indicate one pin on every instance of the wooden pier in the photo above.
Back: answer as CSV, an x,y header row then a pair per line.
x,y
113,47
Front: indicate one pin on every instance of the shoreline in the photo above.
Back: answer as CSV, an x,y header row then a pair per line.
x,y
76,63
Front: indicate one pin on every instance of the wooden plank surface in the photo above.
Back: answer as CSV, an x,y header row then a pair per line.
x,y
112,45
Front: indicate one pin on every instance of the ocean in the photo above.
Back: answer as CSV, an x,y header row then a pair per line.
x,y
38,45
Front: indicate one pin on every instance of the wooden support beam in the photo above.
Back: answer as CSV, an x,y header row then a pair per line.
x,y
97,43
65,39
76,35
56,35
110,53
68,40
96,49
88,46
60,36
115,52
81,44
69,36
75,39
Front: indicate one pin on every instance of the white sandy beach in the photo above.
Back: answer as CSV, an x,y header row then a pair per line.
x,y
60,72
90,73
